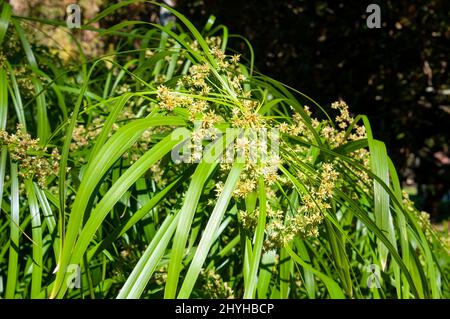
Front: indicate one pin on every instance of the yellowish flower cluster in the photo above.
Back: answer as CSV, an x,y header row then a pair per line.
x,y
298,127
359,132
160,276
220,57
282,228
214,286
257,162
33,159
11,47
124,88
3,59
196,80
446,242
80,136
311,213
243,116
344,118
197,83
157,173
248,117
278,234
332,135
364,181
210,41
84,136
170,100
249,220
423,218
24,81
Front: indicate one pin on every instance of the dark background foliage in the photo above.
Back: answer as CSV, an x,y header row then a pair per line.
x,y
398,74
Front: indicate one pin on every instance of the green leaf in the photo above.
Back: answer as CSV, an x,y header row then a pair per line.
x,y
118,189
211,232
332,287
142,272
4,20
13,260
98,166
36,276
3,98
201,174
250,289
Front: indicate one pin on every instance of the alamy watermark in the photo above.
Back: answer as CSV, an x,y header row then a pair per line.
x,y
73,20
73,280
373,21
374,277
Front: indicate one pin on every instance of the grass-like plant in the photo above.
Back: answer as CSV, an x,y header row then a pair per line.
x,y
171,168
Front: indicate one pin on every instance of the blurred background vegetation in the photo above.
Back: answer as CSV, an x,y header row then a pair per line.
x,y
398,75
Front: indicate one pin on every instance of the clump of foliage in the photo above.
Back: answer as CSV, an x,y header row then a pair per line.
x,y
165,188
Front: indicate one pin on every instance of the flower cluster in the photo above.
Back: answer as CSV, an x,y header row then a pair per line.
x,y
248,219
157,173
85,135
33,159
214,287
193,93
310,214
170,100
281,228
22,75
334,136
160,276
423,218
11,47
210,41
3,59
